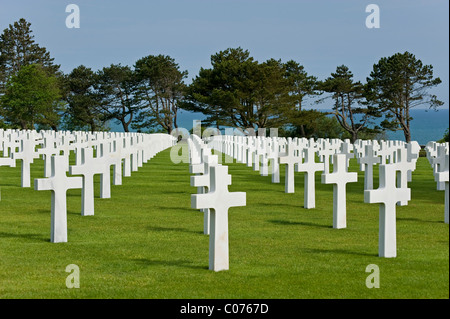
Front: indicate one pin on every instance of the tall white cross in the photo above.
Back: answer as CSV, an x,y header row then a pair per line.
x,y
88,167
325,153
219,199
27,154
346,148
47,151
387,195
438,163
58,183
202,183
413,149
402,166
339,178
368,161
442,176
273,157
310,167
290,160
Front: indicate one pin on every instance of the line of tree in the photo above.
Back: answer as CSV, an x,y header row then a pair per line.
x,y
235,91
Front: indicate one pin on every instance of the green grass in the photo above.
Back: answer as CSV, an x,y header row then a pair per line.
x,y
146,241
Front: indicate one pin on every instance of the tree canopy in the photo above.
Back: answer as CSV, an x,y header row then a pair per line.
x,y
236,90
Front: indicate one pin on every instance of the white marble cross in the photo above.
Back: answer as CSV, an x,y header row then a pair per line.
x,y
387,195
27,154
47,151
7,161
115,158
264,160
251,147
339,178
84,168
273,157
290,160
325,153
310,167
90,166
413,149
219,199
443,177
402,166
203,183
346,148
438,163
58,183
368,161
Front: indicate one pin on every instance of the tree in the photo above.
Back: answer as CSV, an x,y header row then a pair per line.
x,y
83,101
160,89
347,96
238,91
18,49
301,86
32,97
396,85
313,124
445,138
116,88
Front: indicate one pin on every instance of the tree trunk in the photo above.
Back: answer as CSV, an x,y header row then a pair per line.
x,y
354,137
125,125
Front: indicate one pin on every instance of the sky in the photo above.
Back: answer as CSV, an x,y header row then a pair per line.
x,y
320,34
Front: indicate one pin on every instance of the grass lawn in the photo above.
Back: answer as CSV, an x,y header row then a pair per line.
x,y
146,241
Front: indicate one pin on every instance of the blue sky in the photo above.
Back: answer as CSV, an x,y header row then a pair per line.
x,y
318,34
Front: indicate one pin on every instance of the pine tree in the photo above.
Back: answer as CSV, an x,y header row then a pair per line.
x,y
18,49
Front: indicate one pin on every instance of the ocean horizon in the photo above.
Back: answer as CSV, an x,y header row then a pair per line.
x,y
426,125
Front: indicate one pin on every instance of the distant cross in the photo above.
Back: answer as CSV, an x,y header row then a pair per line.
x,y
47,151
387,195
126,153
339,178
402,166
219,199
413,149
442,177
438,163
58,183
89,167
27,154
310,167
273,156
346,148
115,158
290,160
258,154
368,161
264,167
202,182
325,154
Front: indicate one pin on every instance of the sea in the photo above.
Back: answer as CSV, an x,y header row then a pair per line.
x,y
427,125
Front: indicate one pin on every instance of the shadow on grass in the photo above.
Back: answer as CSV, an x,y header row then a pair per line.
x,y
165,263
33,237
174,229
290,223
338,251
410,219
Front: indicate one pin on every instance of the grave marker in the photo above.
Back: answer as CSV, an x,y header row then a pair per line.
x,y
339,178
387,195
219,199
310,167
58,183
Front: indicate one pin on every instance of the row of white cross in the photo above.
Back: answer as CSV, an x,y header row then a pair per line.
x,y
125,152
397,161
438,157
